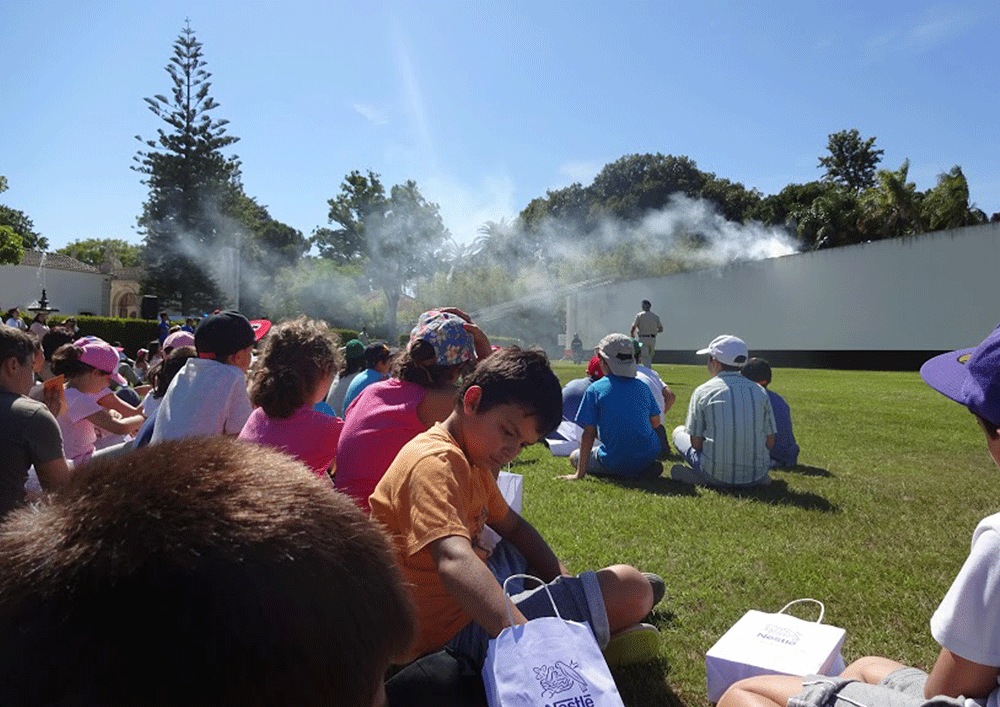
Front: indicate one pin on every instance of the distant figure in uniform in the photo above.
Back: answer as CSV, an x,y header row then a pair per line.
x,y
577,347
646,326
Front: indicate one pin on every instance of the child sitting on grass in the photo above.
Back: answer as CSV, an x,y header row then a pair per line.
x,y
440,492
621,410
292,375
966,623
785,452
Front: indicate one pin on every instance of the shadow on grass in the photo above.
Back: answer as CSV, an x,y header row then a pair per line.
x,y
646,684
777,492
661,486
807,470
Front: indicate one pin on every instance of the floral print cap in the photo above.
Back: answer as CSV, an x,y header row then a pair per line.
x,y
446,333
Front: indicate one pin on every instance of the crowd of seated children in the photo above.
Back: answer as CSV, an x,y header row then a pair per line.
x,y
291,376
205,572
421,390
438,495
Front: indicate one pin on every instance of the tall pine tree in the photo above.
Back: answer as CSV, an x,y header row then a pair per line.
x,y
189,180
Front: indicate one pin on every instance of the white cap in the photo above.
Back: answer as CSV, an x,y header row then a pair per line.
x,y
730,350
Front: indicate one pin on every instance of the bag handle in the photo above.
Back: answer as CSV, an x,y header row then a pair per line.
x,y
822,608
510,616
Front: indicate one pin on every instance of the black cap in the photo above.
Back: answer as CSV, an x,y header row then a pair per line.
x,y
222,334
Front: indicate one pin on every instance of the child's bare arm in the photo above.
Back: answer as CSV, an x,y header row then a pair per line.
x,y
522,535
586,445
953,675
470,582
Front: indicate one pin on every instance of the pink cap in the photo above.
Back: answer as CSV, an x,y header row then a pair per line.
x,y
101,355
178,339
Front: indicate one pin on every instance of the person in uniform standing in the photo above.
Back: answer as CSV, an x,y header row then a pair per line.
x,y
646,326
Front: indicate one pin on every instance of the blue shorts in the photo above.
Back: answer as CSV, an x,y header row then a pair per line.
x,y
578,598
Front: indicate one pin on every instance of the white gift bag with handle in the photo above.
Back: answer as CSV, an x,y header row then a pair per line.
x,y
761,644
547,662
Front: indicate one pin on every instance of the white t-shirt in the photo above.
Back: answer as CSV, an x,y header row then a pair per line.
x,y
652,379
967,622
338,391
150,404
79,434
15,322
204,398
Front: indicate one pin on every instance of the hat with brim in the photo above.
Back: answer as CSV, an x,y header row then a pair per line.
x,y
178,339
100,355
969,376
618,352
727,349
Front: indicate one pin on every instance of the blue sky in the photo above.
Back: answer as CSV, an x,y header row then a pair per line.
x,y
487,105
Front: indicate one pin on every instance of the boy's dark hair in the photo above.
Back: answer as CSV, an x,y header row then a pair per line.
x,y
16,343
205,572
153,347
222,335
757,370
162,315
297,355
522,377
375,354
53,340
415,364
164,371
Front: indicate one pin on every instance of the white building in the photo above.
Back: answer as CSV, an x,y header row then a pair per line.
x,y
72,287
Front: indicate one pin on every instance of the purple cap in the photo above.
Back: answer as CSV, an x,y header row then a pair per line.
x,y
969,376
447,334
100,355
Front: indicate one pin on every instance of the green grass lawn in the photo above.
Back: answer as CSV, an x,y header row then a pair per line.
x,y
875,523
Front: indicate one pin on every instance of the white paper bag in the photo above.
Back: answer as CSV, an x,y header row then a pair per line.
x,y
761,644
547,662
512,489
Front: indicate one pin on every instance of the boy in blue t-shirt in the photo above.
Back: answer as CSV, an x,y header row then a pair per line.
x,y
621,411
785,452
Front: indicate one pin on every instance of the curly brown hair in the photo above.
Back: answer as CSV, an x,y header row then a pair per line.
x,y
298,354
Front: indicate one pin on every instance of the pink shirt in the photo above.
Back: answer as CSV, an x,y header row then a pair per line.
x,y
308,435
383,418
79,434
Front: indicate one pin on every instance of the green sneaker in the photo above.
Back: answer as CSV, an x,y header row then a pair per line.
x,y
636,644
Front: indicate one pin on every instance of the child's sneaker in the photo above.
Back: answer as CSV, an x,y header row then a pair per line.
x,y
636,644
659,586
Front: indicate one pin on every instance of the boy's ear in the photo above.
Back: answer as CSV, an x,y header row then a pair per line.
x,y
470,401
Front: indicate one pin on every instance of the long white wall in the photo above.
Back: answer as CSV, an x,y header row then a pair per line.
x,y
68,291
937,291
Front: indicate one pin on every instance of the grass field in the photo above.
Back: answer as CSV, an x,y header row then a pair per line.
x,y
875,523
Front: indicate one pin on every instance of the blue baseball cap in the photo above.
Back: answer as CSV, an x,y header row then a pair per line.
x,y
970,377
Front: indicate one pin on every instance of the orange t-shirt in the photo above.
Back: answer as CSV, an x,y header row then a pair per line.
x,y
430,492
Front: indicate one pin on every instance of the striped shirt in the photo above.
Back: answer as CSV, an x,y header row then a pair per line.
x,y
734,416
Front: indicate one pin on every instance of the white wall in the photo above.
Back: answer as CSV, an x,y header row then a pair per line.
x,y
937,291
68,291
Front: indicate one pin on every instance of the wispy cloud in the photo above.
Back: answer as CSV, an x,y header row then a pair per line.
x,y
934,27
373,114
414,97
941,24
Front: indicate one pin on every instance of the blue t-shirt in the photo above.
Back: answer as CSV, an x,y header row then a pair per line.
x,y
360,382
785,451
620,408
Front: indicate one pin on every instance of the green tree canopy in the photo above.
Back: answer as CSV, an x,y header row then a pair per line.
x,y
947,204
852,160
189,178
396,238
11,248
92,251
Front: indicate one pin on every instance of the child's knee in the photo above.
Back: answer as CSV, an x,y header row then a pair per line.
x,y
628,595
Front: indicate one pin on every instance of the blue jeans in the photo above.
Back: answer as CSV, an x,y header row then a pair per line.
x,y
577,598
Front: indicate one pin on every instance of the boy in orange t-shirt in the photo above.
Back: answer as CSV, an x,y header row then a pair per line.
x,y
439,494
